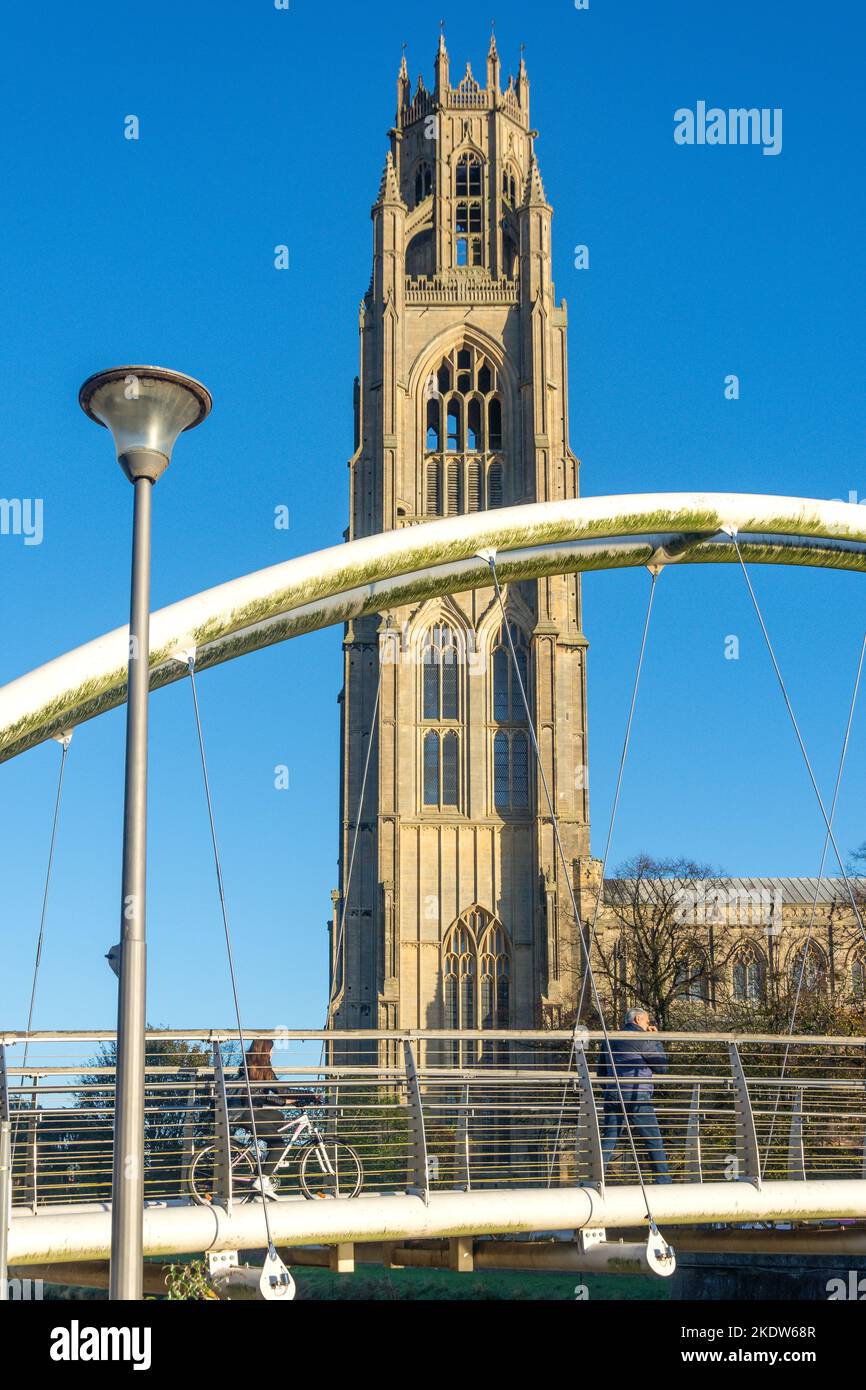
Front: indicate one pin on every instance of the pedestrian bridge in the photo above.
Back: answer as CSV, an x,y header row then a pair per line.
x,y
458,1134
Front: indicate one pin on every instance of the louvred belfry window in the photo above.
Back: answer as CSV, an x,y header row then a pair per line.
x,y
462,427
469,210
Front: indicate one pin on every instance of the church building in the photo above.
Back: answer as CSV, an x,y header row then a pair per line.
x,y
456,914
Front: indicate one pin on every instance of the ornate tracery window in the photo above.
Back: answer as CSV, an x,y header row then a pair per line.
x,y
810,963
510,740
691,979
747,975
440,708
476,972
495,978
460,978
462,426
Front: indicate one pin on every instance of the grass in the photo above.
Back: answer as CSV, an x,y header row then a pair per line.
x,y
372,1283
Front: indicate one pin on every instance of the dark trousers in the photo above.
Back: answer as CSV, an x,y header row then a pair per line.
x,y
644,1125
269,1121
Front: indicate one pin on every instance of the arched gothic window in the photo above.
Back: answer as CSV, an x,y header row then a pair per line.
x,y
809,962
476,973
469,211
440,706
747,975
858,978
462,429
441,666
691,980
459,977
495,978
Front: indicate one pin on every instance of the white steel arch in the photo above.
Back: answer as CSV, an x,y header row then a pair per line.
x,y
417,562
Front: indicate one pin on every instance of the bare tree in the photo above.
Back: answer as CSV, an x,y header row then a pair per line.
x,y
653,949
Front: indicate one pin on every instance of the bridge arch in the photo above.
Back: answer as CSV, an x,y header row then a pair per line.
x,y
418,562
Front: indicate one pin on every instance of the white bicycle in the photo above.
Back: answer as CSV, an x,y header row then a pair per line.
x,y
327,1168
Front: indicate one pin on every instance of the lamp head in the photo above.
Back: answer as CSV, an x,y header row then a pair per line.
x,y
146,408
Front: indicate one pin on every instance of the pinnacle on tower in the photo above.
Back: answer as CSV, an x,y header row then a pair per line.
x,y
493,66
534,195
404,86
523,82
442,78
389,191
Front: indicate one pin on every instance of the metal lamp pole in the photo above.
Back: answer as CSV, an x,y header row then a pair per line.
x,y
146,408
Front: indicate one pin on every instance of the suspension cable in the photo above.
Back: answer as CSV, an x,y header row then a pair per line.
x,y
491,560
64,740
805,952
827,822
230,955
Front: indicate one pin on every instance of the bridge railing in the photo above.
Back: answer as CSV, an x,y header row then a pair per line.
x,y
432,1111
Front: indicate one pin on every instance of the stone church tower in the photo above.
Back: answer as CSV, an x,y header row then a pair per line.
x,y
457,914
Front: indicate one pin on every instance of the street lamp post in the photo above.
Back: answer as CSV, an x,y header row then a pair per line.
x,y
145,408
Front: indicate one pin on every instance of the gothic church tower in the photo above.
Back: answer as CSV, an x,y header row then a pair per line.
x,y
457,915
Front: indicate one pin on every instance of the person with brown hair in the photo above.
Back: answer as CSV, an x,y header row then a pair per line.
x,y
269,1105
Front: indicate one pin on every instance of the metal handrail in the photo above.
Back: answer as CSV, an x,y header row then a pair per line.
x,y
475,1110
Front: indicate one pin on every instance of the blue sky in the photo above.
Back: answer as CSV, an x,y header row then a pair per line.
x,y
260,127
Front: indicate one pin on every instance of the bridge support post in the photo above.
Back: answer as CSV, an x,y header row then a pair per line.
x,y
692,1164
461,1255
341,1258
419,1163
748,1157
222,1165
590,1164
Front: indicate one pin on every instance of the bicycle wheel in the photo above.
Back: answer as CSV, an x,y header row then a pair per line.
x,y
331,1170
203,1177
